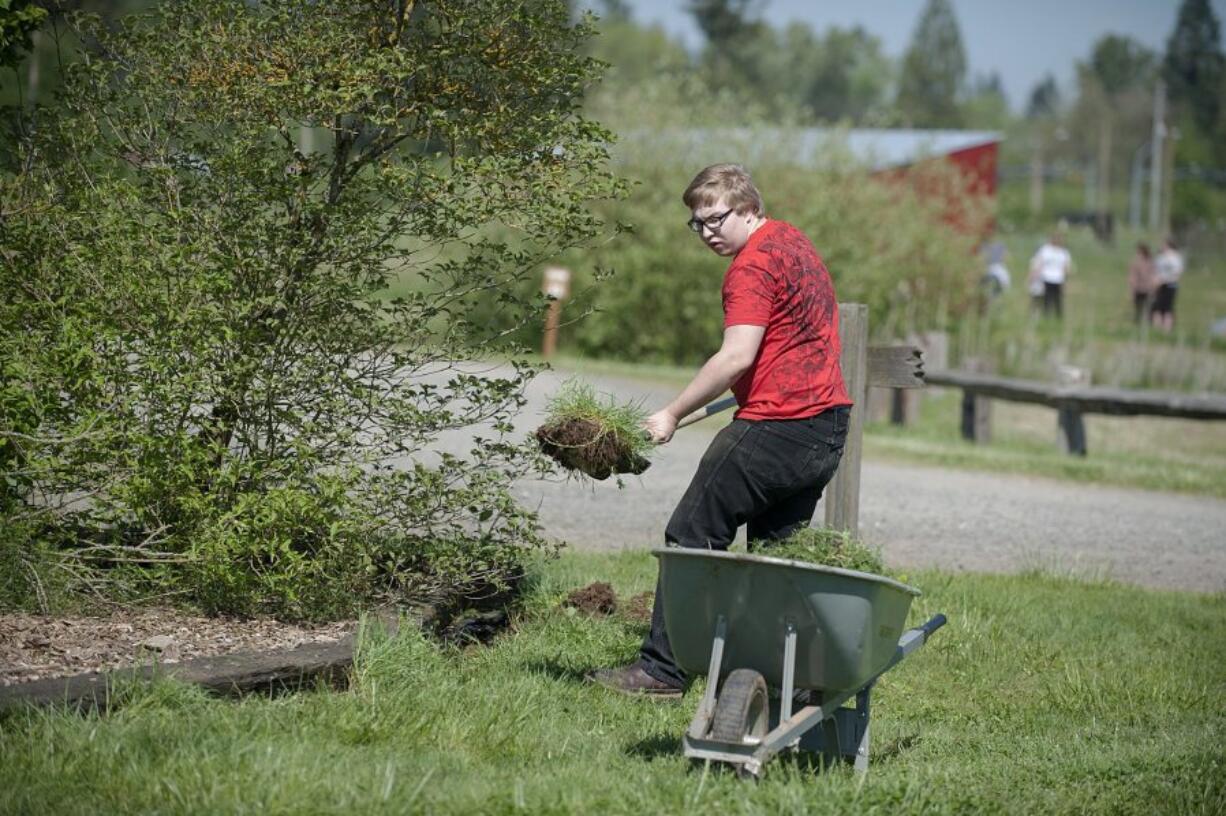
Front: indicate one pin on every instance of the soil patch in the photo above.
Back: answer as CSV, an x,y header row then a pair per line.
x,y
593,599
638,608
33,647
586,446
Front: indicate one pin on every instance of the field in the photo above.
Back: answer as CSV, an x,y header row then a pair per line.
x,y
1041,695
1098,331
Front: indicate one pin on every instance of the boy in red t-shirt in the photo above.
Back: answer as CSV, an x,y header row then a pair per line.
x,y
780,357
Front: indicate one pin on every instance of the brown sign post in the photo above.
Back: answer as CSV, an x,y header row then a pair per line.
x,y
555,284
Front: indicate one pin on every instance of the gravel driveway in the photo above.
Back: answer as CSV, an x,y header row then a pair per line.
x,y
919,516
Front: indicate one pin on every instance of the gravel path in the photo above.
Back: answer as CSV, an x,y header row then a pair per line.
x,y
920,516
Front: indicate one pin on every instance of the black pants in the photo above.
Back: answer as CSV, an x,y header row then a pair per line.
x,y
1140,306
1164,300
767,474
1053,299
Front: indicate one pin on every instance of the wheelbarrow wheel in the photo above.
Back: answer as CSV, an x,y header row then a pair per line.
x,y
742,708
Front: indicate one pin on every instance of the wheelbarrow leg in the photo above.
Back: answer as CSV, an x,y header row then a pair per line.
x,y
862,726
701,723
843,735
789,672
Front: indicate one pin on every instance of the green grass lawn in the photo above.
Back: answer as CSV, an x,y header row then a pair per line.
x,y
1041,695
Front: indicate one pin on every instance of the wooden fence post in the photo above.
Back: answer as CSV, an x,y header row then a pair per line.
x,y
894,396
904,404
935,346
843,493
976,408
1070,427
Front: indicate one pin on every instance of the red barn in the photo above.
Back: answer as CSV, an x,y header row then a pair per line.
x,y
974,152
892,155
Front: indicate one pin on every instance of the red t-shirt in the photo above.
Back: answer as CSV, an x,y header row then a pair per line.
x,y
778,280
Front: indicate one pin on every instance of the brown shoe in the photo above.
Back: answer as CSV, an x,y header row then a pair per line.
x,y
635,681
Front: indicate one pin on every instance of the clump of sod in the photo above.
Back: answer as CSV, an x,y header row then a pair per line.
x,y
830,548
594,436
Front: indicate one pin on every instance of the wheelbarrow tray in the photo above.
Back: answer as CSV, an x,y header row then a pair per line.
x,y
847,623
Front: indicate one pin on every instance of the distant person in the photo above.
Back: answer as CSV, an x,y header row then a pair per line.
x,y
996,278
1034,286
1141,281
1168,269
1052,265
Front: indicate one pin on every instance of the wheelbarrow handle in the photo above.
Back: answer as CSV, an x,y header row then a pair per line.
x,y
702,413
937,621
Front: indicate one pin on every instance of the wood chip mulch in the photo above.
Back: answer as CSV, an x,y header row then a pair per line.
x,y
33,647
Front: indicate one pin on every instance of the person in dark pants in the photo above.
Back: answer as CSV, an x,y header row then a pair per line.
x,y
1052,264
780,356
1168,269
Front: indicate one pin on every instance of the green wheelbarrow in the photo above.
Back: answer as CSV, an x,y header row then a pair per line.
x,y
753,624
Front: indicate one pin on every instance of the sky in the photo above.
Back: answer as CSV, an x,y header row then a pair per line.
x,y
1023,40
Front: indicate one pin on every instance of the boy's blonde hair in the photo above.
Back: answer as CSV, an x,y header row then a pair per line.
x,y
732,182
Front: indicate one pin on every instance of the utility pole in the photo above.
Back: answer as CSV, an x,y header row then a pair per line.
x,y
1136,184
1157,153
1090,193
1036,168
1102,202
1036,180
1168,181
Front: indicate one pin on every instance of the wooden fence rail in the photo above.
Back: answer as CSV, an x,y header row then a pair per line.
x,y
1072,401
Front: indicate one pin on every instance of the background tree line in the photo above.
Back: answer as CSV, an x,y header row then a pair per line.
x,y
748,70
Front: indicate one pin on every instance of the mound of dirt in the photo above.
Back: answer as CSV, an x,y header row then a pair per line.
x,y
586,446
593,599
638,608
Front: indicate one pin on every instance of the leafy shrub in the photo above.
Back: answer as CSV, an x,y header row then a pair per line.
x,y
205,383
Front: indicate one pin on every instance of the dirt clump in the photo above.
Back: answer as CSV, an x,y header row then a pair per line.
x,y
638,608
586,446
594,599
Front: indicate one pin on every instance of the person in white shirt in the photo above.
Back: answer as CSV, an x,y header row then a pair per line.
x,y
1168,269
1052,265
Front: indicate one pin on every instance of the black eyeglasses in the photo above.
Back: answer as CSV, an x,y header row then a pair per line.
x,y
714,223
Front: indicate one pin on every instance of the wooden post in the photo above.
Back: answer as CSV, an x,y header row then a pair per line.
x,y
843,492
976,409
549,342
935,346
1070,427
901,405
879,406
555,286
